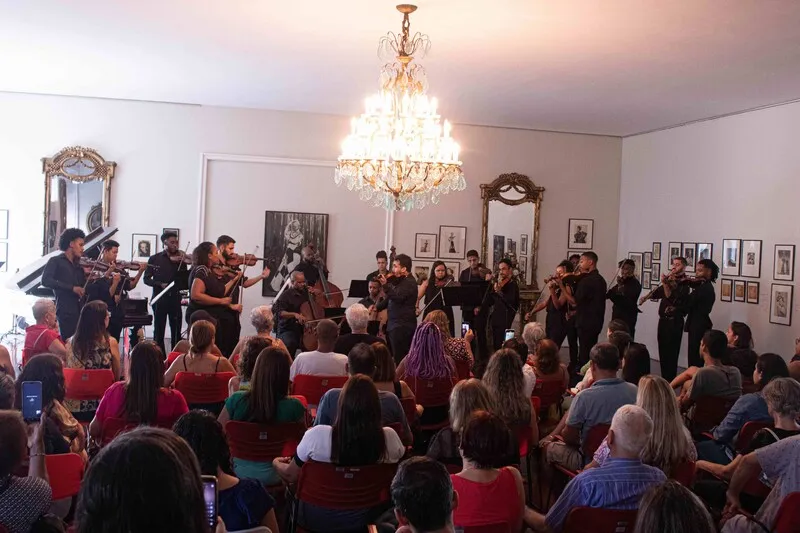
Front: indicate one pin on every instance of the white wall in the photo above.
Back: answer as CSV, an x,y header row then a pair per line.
x,y
731,178
158,150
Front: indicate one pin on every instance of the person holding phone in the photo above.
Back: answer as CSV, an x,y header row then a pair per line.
x,y
456,348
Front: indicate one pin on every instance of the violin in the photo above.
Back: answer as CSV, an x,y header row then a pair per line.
x,y
574,277
180,258
439,283
235,260
693,282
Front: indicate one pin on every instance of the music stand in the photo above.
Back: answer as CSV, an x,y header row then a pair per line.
x,y
359,288
469,294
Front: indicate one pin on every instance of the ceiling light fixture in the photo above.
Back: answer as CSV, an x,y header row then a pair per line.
x,y
399,155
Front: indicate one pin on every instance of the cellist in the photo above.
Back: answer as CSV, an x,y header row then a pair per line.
x,y
310,267
286,309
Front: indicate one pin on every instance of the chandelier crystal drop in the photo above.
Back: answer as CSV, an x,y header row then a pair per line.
x,y
399,154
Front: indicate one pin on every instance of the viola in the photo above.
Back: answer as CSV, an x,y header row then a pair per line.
x,y
235,260
574,277
180,258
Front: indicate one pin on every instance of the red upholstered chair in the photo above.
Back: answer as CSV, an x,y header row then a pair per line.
x,y
590,444
81,384
410,409
788,517
263,442
462,370
431,393
113,427
709,411
502,527
315,387
65,471
590,520
548,392
207,391
746,434
684,473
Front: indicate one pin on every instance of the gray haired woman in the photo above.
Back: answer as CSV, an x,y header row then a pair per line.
x,y
263,321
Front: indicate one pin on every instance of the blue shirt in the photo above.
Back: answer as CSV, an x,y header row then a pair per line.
x,y
244,505
598,403
618,484
749,408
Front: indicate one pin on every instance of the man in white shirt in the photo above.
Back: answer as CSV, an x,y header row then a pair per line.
x,y
323,361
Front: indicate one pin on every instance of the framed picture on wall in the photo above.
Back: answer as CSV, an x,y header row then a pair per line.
x,y
523,269
453,268
637,258
4,256
730,257
421,273
647,260
3,223
674,250
285,235
176,231
726,290
751,259
656,251
705,250
425,246
646,283
452,242
656,274
739,288
523,244
783,269
689,251
780,306
498,249
143,245
581,233
753,288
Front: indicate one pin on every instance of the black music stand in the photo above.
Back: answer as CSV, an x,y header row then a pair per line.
x,y
468,294
359,288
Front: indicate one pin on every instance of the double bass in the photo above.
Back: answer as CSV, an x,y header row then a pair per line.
x,y
323,295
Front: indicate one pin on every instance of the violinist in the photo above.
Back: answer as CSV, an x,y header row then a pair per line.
x,y
171,264
286,309
504,299
66,277
208,291
310,266
589,299
556,305
624,295
383,261
375,294
434,294
401,299
112,287
673,294
698,307
475,273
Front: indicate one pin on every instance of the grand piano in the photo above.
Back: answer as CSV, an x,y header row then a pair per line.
x,y
29,280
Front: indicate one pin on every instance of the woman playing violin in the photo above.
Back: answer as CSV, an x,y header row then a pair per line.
x,y
624,295
431,290
698,307
209,292
556,305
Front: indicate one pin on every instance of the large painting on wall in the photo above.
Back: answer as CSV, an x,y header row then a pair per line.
x,y
285,235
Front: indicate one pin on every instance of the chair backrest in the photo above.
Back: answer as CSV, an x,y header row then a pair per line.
x,y
746,433
499,527
709,411
345,487
462,369
549,392
409,408
203,388
431,392
263,442
315,387
788,517
684,473
594,439
113,427
171,356
65,471
81,384
591,520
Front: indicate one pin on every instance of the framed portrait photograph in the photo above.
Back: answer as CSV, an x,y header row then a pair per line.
x,y
656,273
726,290
656,251
4,256
421,273
752,292
739,289
647,260
425,246
176,231
646,277
498,249
286,233
3,223
705,250
783,269
143,245
637,258
581,233
751,259
523,244
452,242
674,250
523,269
780,304
730,257
453,268
689,251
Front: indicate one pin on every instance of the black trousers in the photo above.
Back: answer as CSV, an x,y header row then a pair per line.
x,y
587,338
480,343
67,324
695,336
572,339
400,341
167,309
670,334
292,341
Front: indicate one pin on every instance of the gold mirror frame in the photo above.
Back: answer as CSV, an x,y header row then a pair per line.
x,y
519,184
55,167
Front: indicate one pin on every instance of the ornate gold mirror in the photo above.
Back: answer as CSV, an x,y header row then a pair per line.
x,y
77,191
511,206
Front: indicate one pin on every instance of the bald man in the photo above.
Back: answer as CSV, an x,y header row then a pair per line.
x,y
286,310
309,265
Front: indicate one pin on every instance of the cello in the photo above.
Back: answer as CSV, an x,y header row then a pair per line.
x,y
323,295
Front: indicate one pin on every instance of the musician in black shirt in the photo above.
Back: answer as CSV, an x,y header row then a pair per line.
x,y
504,299
590,305
698,307
401,301
475,315
556,306
375,290
286,309
310,265
624,296
64,275
382,261
673,294
432,290
171,264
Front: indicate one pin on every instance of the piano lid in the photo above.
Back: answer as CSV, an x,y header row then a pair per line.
x,y
29,278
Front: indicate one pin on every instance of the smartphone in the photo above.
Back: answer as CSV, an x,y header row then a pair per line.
x,y
509,334
210,497
464,328
32,401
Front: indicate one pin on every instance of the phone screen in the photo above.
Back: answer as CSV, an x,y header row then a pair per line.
x,y
509,334
210,497
31,400
464,328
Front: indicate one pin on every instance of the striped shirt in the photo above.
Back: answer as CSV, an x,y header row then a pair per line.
x,y
618,484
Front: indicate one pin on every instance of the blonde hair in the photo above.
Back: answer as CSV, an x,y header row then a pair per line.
x,y
201,337
468,396
506,384
439,319
668,445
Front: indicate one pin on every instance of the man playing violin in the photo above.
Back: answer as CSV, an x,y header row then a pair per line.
x,y
590,305
401,301
382,260
65,276
475,273
112,286
504,299
624,295
431,290
286,309
171,264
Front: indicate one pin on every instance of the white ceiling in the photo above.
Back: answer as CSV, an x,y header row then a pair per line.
x,y
614,67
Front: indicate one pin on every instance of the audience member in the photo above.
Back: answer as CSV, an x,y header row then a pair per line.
x,y
532,335
512,401
423,497
670,444
142,398
619,483
262,319
199,360
357,317
619,337
385,378
23,500
241,503
62,433
361,360
6,366
635,362
7,393
595,405
547,364
323,361
528,375
43,337
740,349
458,349
714,378
670,507
265,402
247,361
357,438
487,495
183,345
145,481
92,348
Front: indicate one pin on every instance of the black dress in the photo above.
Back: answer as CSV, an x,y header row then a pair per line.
x,y
698,306
226,336
435,302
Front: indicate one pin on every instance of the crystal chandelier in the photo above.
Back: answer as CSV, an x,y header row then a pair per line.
x,y
398,154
